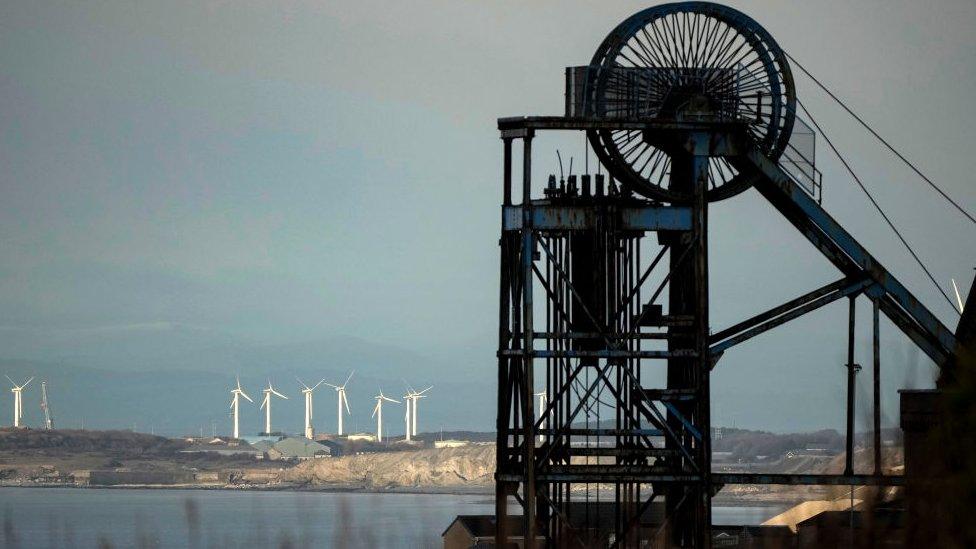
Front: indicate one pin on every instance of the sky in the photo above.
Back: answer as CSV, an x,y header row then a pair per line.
x,y
282,172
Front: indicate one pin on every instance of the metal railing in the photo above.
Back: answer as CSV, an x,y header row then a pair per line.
x,y
636,93
646,93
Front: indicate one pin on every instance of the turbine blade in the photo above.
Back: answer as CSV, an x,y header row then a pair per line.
x,y
958,298
279,394
302,382
391,400
375,409
425,390
26,383
348,378
243,394
10,380
346,400
316,386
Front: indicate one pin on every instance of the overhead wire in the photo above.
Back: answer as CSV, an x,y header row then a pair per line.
x,y
881,139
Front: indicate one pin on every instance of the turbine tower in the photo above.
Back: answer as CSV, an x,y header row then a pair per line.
x,y
18,400
342,400
307,391
413,397
266,406
406,416
543,400
378,414
46,406
235,406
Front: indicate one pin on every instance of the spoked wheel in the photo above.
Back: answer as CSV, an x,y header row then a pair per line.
x,y
690,61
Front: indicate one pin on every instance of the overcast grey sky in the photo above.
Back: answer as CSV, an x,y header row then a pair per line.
x,y
287,171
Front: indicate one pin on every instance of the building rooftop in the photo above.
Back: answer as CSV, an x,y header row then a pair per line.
x,y
300,447
483,526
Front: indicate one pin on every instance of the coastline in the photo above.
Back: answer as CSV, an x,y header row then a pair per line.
x,y
435,490
729,500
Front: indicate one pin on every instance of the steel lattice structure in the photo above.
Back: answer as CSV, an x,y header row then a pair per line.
x,y
684,104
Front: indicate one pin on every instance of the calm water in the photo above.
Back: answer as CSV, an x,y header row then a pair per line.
x,y
65,517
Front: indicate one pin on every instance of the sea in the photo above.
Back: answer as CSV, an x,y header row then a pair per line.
x,y
155,519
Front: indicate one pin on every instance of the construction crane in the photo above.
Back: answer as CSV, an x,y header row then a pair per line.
x,y
46,406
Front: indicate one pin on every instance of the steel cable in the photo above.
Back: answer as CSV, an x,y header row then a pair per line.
x,y
877,206
881,139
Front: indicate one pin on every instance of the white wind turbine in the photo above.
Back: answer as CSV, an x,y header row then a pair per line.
x,y
413,398
307,391
378,413
266,405
18,400
342,400
543,401
235,406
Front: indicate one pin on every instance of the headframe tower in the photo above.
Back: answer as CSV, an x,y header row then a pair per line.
x,y
684,105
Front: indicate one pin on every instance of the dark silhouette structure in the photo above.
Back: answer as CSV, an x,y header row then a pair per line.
x,y
604,280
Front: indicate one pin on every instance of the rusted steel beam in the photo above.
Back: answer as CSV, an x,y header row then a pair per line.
x,y
574,431
684,353
553,217
795,313
784,308
591,335
619,452
852,369
876,383
510,126
603,476
717,478
529,485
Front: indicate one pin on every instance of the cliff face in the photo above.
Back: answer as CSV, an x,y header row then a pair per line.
x,y
465,467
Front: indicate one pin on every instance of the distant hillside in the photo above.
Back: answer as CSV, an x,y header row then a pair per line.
x,y
62,442
748,445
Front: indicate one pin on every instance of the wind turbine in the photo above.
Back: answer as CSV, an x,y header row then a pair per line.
x,y
543,400
46,406
18,401
266,405
342,400
235,405
378,414
307,391
406,416
413,398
